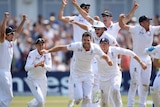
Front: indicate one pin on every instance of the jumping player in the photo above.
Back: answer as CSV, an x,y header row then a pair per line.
x,y
142,37
7,40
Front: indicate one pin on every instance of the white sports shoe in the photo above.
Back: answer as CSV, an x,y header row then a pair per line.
x,y
71,103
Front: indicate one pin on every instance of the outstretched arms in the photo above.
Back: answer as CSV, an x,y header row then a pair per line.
x,y
3,27
55,49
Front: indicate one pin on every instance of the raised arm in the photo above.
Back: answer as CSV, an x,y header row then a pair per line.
x,y
62,18
81,25
82,12
20,27
131,13
122,24
3,27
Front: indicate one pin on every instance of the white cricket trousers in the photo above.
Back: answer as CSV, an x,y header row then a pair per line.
x,y
70,80
6,93
38,88
155,91
156,83
95,84
110,91
83,84
139,79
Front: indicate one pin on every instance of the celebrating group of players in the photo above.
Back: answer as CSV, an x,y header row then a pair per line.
x,y
95,75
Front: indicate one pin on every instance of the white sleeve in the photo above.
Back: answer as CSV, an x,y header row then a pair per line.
x,y
112,40
133,29
124,51
156,29
30,62
157,48
99,50
156,56
48,62
152,50
72,46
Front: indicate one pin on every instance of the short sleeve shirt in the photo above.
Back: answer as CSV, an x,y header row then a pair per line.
x,y
83,58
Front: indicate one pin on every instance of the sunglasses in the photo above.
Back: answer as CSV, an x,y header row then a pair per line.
x,y
106,16
12,33
86,7
97,28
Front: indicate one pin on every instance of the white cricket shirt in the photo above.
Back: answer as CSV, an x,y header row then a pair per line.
x,y
77,31
83,59
6,55
38,72
142,39
113,29
107,72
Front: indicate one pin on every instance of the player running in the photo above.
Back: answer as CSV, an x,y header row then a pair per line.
x,y
36,65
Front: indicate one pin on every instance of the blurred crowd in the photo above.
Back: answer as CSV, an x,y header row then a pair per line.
x,y
58,33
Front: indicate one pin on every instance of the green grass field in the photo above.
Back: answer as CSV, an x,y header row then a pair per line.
x,y
61,101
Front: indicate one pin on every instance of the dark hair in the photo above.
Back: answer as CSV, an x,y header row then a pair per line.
x,y
87,34
104,40
144,18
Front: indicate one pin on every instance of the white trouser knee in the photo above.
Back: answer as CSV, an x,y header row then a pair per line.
x,y
155,96
117,98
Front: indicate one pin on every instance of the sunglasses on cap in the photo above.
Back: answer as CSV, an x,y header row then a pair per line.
x,y
12,33
106,16
86,7
39,41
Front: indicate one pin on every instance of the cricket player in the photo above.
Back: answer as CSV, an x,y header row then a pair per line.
x,y
77,37
37,65
154,51
98,31
82,73
142,37
7,40
111,76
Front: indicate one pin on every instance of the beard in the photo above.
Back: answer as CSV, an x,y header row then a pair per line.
x,y
86,46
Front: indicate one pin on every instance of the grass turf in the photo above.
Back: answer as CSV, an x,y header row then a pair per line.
x,y
61,101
